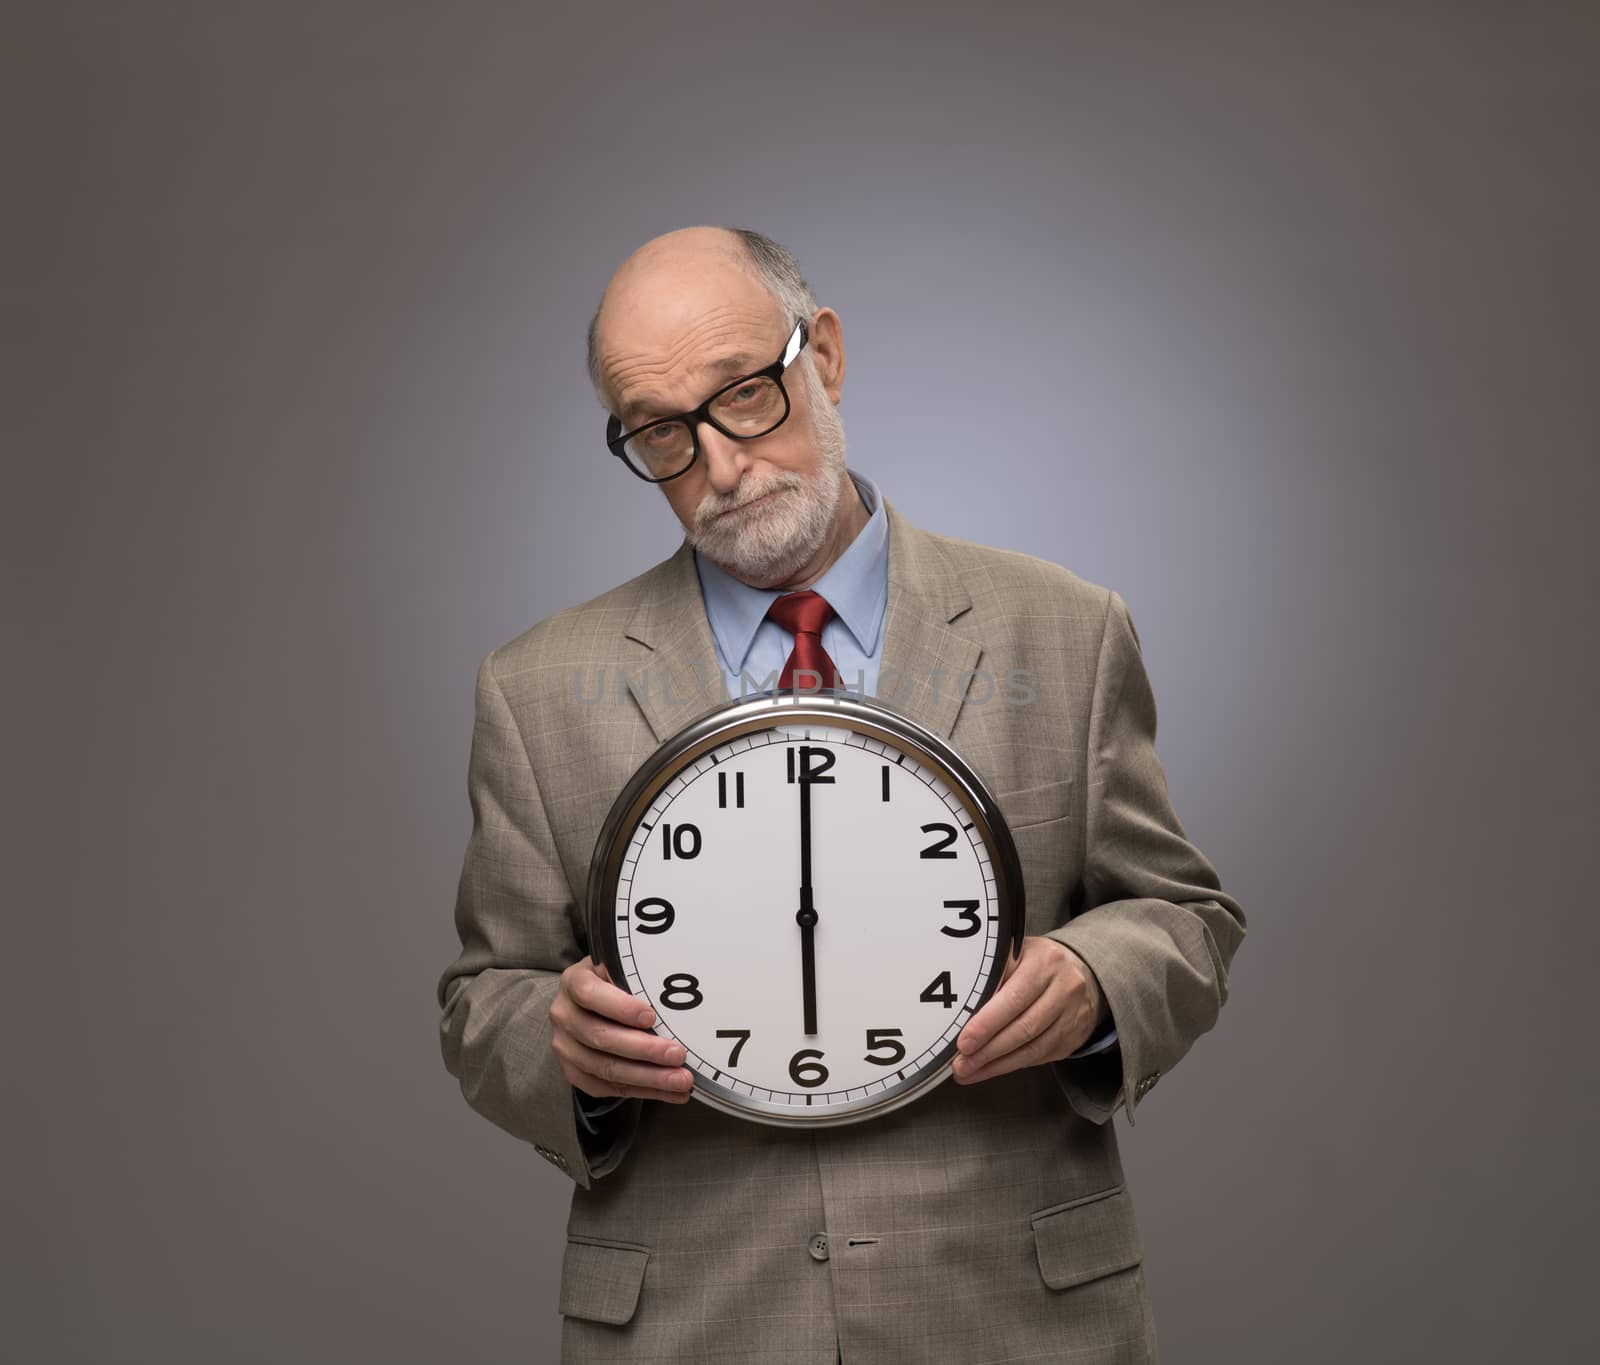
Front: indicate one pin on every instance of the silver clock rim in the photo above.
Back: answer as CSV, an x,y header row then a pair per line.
x,y
764,710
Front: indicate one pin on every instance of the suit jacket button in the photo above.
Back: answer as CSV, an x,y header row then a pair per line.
x,y
819,1247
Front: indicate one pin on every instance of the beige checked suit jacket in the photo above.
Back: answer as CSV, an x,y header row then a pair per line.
x,y
982,1223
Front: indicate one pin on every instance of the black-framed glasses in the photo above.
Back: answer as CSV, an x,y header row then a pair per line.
x,y
750,406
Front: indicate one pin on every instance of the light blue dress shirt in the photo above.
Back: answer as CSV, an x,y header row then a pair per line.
x,y
753,649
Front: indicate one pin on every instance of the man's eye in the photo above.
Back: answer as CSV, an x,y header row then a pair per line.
x,y
664,433
744,393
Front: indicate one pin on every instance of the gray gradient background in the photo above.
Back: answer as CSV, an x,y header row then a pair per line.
x,y
1279,320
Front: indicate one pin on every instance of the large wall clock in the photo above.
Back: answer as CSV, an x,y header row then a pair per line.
x,y
814,894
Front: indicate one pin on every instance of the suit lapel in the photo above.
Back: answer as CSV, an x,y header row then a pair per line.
x,y
674,675
927,661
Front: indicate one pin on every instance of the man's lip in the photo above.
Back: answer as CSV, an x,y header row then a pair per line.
x,y
743,505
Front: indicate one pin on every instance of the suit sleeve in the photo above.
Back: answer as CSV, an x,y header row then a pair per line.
x,y
1156,929
520,927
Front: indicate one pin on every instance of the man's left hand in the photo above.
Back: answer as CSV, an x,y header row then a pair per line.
x,y
1048,1005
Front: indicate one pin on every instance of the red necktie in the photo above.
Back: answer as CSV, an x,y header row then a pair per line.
x,y
803,615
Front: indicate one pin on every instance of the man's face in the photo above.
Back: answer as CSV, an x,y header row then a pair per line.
x,y
761,508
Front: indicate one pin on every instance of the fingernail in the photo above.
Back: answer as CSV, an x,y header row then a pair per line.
x,y
647,1018
676,1054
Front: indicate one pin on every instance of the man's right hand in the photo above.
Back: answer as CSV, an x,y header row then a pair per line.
x,y
601,1037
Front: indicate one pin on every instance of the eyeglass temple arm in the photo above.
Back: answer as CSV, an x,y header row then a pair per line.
x,y
797,339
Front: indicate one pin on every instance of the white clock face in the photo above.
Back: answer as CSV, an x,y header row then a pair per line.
x,y
806,993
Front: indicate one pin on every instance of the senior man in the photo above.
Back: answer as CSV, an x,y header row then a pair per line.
x,y
990,1219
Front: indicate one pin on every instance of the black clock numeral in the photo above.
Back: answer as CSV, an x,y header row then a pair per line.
x,y
969,919
885,1037
934,995
813,763
738,791
940,848
743,1035
806,1068
885,781
680,841
687,990
654,921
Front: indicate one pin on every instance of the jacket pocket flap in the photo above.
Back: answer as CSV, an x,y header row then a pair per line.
x,y
600,1280
1087,1238
1036,805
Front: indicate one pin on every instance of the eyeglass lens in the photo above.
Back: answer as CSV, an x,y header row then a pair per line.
x,y
748,409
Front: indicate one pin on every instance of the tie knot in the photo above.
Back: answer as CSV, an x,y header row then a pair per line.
x,y
801,613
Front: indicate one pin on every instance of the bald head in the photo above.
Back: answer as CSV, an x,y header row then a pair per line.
x,y
687,248
687,269
680,304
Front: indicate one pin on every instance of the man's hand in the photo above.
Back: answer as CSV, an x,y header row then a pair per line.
x,y
601,1037
1048,1005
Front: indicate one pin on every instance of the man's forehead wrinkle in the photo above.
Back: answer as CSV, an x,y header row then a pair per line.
x,y
649,376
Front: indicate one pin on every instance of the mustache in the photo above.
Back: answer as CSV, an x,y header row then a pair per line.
x,y
713,505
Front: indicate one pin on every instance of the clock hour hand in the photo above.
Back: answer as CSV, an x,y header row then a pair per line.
x,y
806,916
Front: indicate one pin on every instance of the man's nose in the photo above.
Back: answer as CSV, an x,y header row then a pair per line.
x,y
726,459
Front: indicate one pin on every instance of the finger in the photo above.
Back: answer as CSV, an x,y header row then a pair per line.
x,y
619,1076
600,1034
599,996
618,1071
597,1087
1040,1024
1013,997
1031,1054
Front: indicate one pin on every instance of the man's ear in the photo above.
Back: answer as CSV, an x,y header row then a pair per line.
x,y
827,351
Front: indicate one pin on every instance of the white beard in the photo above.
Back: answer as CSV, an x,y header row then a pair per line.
x,y
768,544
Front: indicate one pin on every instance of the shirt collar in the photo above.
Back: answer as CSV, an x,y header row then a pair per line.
x,y
856,586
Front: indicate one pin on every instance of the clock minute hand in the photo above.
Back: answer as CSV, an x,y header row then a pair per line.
x,y
806,916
